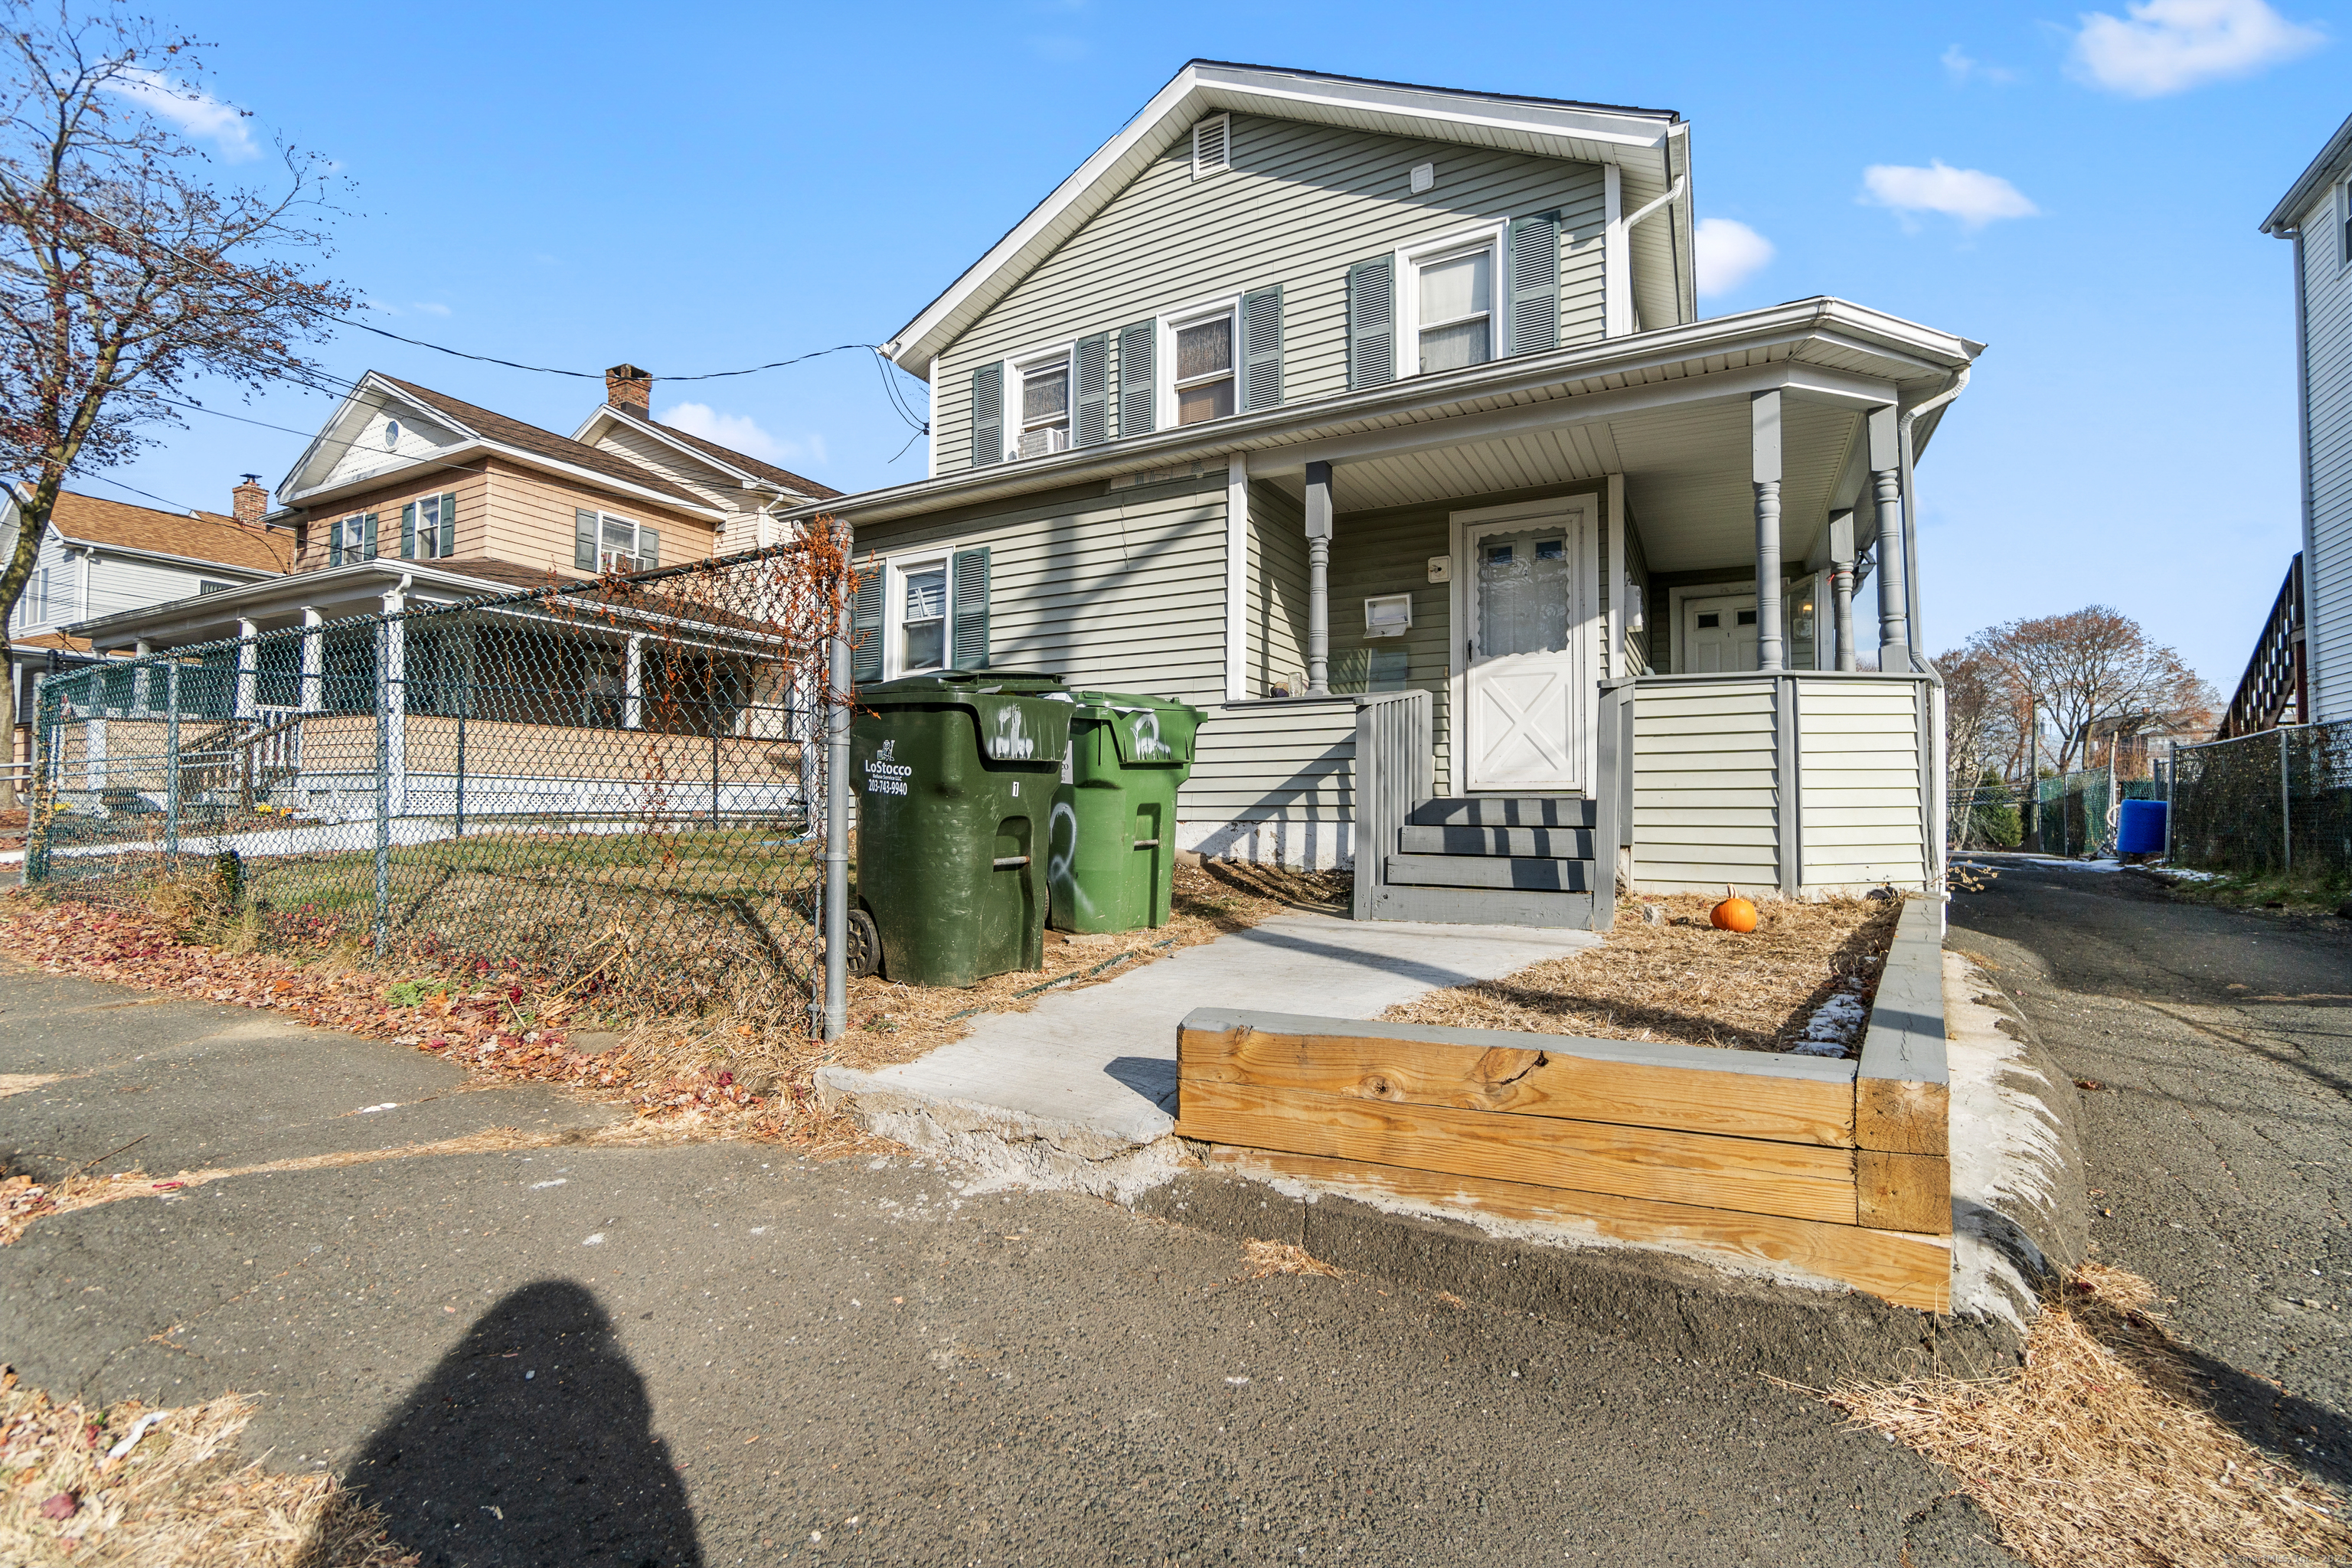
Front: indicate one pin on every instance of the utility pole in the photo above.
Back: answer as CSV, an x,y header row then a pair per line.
x,y
2031,841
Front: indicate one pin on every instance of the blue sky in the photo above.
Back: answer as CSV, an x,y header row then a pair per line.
x,y
700,188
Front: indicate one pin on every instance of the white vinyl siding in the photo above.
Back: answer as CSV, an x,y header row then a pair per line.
x,y
84,588
1274,782
1300,204
1703,802
1277,582
2328,558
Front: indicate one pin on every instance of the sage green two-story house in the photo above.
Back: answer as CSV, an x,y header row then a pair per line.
x,y
1379,421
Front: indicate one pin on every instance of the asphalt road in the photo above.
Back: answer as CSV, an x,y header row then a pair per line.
x,y
2218,1141
713,1354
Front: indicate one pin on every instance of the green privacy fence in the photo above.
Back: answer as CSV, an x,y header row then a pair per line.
x,y
615,786
2278,802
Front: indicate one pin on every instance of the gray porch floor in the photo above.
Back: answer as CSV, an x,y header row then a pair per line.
x,y
1092,1073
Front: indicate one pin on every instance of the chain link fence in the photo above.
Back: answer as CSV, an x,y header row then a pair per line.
x,y
614,787
2278,803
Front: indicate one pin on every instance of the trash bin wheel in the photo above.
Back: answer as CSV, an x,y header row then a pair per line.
x,y
865,955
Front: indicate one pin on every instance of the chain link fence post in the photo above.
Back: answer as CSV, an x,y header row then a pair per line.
x,y
2286,811
836,814
172,760
383,783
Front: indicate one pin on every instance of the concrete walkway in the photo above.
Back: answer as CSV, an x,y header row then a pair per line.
x,y
1078,1091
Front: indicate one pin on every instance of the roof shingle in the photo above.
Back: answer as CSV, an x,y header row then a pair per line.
x,y
546,444
205,536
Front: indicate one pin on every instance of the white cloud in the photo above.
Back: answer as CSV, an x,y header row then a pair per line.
x,y
1729,254
430,309
1971,195
742,433
196,113
1963,69
2170,46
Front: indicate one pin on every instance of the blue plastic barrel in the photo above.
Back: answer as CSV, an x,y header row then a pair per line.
x,y
2140,828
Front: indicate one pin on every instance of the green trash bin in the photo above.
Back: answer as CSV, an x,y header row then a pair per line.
x,y
1111,860
954,772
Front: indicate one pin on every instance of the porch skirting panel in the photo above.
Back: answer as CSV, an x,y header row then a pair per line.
x,y
1274,781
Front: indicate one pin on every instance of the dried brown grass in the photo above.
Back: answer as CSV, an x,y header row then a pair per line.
x,y
178,1499
1264,1259
1682,980
2098,1454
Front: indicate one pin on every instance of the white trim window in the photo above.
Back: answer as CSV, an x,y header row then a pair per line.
x,y
1452,300
37,599
1041,397
1202,350
603,542
916,633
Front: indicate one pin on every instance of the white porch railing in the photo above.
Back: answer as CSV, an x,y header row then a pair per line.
x,y
1794,782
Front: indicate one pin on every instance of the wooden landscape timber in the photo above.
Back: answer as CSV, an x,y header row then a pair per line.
x,y
1837,1168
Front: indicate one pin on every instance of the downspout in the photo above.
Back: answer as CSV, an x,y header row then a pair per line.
x,y
1911,514
1648,207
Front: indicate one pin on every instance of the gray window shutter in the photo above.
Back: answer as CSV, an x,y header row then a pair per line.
x,y
335,542
1092,394
584,541
367,534
1533,246
866,625
1135,383
971,573
448,524
408,531
1262,350
648,548
988,414
1371,322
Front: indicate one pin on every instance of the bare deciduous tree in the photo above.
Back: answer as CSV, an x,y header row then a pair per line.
x,y
125,273
2088,668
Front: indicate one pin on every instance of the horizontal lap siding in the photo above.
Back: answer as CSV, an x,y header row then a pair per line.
x,y
1278,589
1374,554
2327,563
530,521
1261,762
470,485
1858,764
1704,805
1124,590
1300,205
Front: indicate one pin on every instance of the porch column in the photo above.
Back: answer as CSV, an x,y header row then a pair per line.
x,y
1764,449
245,631
1842,584
1886,483
143,685
633,683
313,661
1319,579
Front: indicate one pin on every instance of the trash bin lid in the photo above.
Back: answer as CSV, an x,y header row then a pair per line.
x,y
1022,716
1146,729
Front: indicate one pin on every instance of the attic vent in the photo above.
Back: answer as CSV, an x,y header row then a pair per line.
x,y
1212,145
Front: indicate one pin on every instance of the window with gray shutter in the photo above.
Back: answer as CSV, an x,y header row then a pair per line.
x,y
1262,350
448,524
584,541
1137,390
367,536
971,648
408,531
648,549
988,414
1093,425
1371,322
1533,246
866,625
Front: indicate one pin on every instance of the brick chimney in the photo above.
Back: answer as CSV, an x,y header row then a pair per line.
x,y
628,388
251,500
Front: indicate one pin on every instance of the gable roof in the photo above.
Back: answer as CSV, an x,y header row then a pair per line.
x,y
505,432
1649,146
2321,173
738,463
200,536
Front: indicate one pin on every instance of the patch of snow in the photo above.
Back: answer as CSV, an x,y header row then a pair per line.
x,y
542,1187
1836,1024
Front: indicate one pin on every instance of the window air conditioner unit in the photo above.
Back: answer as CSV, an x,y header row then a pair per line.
x,y
1046,442
618,561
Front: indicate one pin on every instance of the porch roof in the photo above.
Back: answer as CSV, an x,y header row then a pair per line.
x,y
1668,409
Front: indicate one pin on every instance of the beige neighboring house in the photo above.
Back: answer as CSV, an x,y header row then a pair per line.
x,y
1381,421
100,557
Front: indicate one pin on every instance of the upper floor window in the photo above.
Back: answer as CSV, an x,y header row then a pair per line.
x,y
36,600
428,527
351,539
604,542
1203,366
2344,224
1044,404
1452,297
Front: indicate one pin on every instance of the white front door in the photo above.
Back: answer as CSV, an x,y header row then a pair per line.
x,y
1719,634
1525,689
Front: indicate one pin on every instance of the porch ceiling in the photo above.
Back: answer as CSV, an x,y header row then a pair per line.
x,y
1687,470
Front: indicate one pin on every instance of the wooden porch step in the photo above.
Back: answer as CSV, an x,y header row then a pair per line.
x,y
1503,811
1519,873
1544,843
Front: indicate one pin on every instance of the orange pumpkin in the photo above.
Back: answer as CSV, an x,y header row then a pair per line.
x,y
1733,914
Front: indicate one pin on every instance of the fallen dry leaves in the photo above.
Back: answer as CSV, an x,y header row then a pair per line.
x,y
127,1485
1264,1259
1678,978
2097,1453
